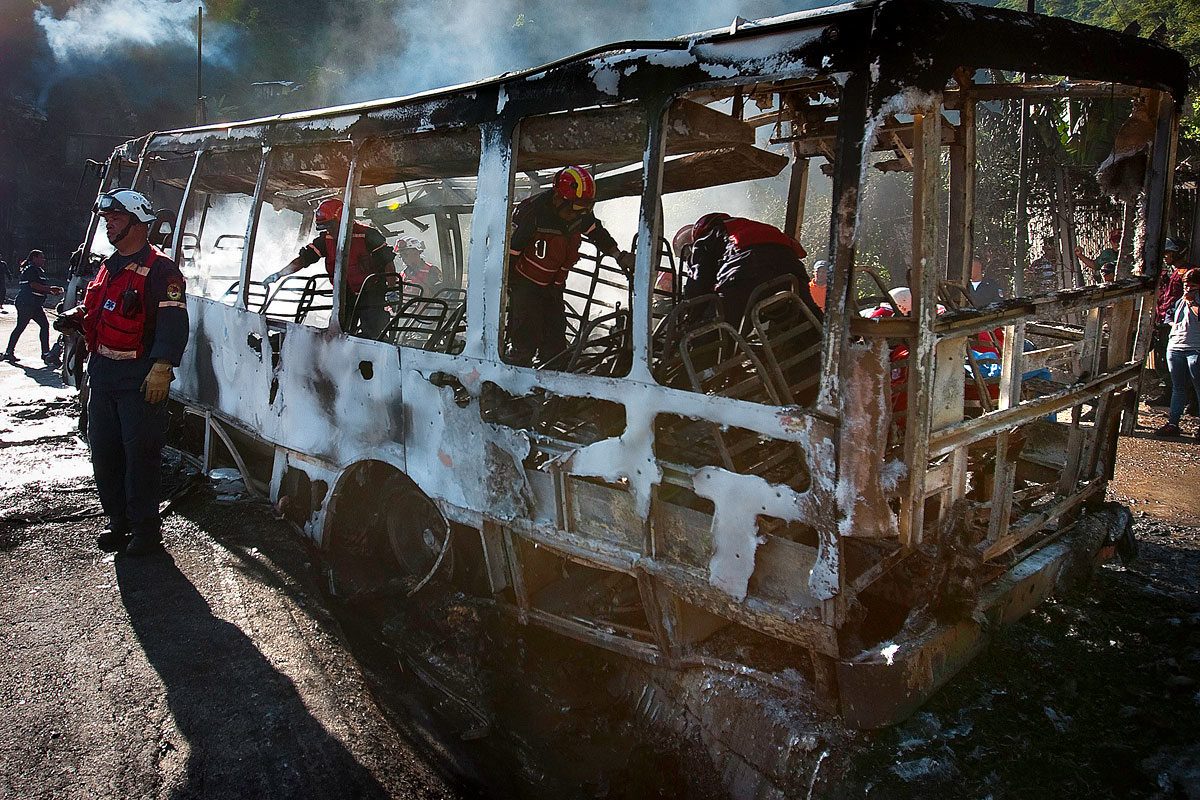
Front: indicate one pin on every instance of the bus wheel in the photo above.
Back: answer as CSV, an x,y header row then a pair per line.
x,y
416,533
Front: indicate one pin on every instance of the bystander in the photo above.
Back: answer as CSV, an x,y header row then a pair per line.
x,y
1183,352
31,297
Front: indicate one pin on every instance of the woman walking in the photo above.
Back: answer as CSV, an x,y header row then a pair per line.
x,y
32,294
1183,352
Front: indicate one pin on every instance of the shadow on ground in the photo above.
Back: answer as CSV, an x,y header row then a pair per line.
x,y
249,731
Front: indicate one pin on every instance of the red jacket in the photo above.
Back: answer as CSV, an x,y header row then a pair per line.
x,y
369,253
1170,289
115,310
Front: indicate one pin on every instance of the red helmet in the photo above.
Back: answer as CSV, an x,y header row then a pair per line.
x,y
329,210
575,184
707,223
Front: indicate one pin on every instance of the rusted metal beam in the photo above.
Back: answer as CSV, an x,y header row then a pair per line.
x,y
797,186
847,179
883,327
1048,355
1031,526
966,323
774,619
960,233
944,441
1010,396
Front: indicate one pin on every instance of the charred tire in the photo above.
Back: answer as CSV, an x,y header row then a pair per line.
x,y
387,536
416,533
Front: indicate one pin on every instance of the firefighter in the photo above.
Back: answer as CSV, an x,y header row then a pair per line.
x,y
731,256
547,230
416,269
134,321
369,255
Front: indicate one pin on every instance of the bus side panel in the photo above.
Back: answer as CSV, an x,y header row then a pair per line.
x,y
226,367
455,456
339,398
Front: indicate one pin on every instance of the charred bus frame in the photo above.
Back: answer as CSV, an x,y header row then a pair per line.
x,y
722,475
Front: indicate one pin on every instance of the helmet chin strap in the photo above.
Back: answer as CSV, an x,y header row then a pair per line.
x,y
123,234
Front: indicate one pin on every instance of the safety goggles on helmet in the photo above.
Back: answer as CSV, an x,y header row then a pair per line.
x,y
125,201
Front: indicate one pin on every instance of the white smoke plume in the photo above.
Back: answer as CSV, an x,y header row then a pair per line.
x,y
417,46
96,28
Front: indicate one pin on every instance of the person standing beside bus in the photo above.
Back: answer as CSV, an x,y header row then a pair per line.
x,y
1170,289
547,230
369,255
35,288
1183,352
134,320
983,289
1103,268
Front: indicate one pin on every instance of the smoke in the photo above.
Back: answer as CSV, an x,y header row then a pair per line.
x,y
116,32
419,46
98,28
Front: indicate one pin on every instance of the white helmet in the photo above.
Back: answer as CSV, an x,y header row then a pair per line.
x,y
409,243
127,201
902,297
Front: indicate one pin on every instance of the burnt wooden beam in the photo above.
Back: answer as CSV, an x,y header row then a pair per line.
x,y
699,171
1075,90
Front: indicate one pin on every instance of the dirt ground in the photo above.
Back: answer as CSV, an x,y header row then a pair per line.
x,y
1094,695
211,671
224,670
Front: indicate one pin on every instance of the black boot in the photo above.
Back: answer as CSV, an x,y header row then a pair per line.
x,y
144,544
113,541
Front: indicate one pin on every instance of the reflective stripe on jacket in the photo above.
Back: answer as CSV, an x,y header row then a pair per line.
x,y
115,310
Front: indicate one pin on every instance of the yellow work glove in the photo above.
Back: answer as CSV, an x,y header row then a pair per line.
x,y
158,382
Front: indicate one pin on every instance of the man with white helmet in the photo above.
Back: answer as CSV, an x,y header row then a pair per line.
x,y
134,320
415,268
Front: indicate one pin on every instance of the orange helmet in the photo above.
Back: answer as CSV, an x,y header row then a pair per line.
x,y
575,185
329,211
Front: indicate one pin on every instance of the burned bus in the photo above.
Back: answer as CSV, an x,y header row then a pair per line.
x,y
861,488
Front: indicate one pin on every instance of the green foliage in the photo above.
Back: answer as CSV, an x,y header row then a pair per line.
x,y
1181,18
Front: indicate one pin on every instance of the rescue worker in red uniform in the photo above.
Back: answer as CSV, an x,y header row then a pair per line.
x,y
369,255
547,230
732,256
134,321
415,268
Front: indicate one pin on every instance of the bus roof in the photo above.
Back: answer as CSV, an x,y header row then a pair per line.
x,y
905,43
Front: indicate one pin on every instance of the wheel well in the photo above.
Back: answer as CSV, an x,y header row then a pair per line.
x,y
355,500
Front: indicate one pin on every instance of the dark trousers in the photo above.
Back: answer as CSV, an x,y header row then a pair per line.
x,y
26,313
1161,368
373,314
126,435
537,323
